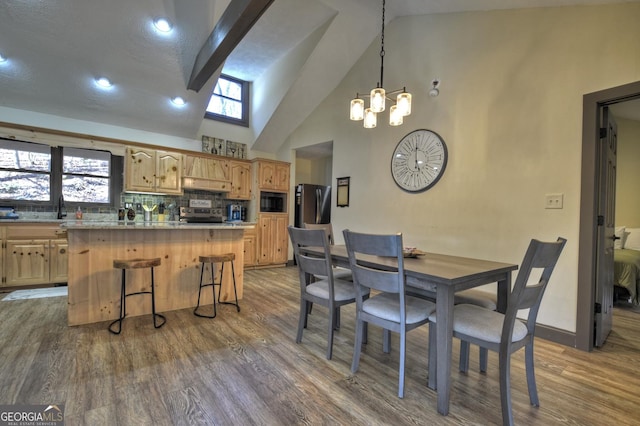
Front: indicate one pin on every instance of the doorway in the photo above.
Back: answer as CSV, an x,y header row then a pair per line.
x,y
589,235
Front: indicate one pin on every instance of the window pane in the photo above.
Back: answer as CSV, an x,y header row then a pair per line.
x,y
24,156
86,162
24,186
225,107
229,89
85,189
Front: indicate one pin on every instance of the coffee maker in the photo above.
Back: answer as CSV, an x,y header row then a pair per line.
x,y
234,212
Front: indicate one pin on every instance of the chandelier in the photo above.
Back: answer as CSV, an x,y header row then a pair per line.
x,y
378,97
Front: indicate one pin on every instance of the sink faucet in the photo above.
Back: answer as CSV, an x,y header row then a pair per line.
x,y
62,211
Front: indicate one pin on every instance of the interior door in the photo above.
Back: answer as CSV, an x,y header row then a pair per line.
x,y
606,224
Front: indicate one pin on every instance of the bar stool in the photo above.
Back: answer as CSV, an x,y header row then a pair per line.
x,y
136,264
213,259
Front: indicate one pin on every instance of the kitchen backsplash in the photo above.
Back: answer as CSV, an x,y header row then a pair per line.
x,y
218,202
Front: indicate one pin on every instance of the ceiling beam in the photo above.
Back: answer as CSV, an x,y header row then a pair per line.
x,y
235,23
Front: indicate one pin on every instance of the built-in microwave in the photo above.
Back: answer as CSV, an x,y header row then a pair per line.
x,y
273,202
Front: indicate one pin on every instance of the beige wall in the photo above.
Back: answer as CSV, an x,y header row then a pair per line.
x,y
510,112
316,171
628,174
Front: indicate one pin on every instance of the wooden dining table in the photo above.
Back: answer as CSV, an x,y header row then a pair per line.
x,y
442,275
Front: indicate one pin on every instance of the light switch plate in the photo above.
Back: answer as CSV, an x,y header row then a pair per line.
x,y
553,201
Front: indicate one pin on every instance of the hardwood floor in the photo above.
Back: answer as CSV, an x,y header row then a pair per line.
x,y
246,369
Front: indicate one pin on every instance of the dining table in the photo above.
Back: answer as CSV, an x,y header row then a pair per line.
x,y
441,276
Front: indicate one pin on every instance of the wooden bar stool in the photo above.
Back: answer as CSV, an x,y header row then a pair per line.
x,y
212,260
136,264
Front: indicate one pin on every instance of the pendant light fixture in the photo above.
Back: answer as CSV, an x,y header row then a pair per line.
x,y
378,97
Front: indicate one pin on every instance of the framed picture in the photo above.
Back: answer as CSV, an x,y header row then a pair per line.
x,y
213,145
236,150
342,198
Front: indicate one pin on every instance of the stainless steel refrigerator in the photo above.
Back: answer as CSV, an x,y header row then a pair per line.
x,y
313,204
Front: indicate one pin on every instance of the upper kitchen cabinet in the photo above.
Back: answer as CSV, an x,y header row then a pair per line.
x,y
150,170
240,180
272,175
206,172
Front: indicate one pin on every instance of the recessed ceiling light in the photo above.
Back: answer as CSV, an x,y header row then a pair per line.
x,y
104,82
178,101
163,25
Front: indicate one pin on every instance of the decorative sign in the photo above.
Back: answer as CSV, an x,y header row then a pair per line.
x,y
217,146
343,192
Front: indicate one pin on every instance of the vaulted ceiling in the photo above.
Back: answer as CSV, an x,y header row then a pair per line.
x,y
56,49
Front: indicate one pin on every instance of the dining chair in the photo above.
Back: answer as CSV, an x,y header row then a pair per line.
x,y
504,333
338,272
390,308
328,291
480,298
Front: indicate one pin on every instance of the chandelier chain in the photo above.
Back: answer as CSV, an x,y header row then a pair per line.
x,y
381,84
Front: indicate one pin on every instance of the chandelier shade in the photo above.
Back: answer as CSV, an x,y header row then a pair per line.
x,y
400,108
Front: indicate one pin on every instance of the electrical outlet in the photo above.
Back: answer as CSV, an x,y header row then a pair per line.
x,y
139,207
553,201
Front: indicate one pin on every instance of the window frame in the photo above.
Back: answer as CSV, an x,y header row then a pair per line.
x,y
244,121
55,181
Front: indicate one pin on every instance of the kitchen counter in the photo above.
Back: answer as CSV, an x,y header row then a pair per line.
x,y
84,224
94,284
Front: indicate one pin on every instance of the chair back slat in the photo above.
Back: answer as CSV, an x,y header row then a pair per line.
x,y
326,227
390,279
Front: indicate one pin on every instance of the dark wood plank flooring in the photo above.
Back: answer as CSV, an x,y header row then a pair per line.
x,y
246,369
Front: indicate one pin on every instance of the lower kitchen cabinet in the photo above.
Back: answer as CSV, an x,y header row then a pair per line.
x,y
273,239
33,260
249,247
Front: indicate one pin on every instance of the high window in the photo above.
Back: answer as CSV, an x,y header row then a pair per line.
x,y
36,173
229,101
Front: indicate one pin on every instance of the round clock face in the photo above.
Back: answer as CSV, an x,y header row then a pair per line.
x,y
419,160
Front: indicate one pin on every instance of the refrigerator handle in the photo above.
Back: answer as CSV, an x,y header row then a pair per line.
x,y
318,205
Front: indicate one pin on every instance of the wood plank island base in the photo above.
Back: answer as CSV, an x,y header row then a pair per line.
x,y
94,284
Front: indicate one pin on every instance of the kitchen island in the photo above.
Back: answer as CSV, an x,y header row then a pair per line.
x,y
94,285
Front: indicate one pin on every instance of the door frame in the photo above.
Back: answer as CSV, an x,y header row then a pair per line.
x,y
591,104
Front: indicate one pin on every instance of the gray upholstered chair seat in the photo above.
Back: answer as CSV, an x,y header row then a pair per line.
x,y
481,323
387,306
342,290
476,297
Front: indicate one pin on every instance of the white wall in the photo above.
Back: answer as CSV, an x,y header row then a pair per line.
x,y
510,112
628,174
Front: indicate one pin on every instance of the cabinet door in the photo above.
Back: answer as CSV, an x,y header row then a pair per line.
x,y
281,238
266,173
140,170
281,177
249,249
240,181
168,172
59,261
265,239
27,262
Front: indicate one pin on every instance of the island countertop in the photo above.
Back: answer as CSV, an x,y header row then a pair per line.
x,y
94,283
97,224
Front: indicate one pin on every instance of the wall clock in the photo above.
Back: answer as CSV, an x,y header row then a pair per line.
x,y
419,160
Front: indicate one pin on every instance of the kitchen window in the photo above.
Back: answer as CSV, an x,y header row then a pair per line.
x,y
32,173
230,101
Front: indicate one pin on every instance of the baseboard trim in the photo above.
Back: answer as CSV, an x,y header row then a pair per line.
x,y
556,335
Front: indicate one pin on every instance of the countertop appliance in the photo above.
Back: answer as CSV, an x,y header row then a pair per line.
x,y
234,212
199,215
313,204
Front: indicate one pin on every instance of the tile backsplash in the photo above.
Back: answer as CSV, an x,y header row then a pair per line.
x,y
50,211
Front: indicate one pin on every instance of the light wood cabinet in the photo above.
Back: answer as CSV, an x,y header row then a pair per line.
x,y
272,239
240,180
206,173
272,175
149,170
34,255
249,247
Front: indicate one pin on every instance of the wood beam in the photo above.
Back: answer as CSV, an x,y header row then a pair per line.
x,y
235,23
